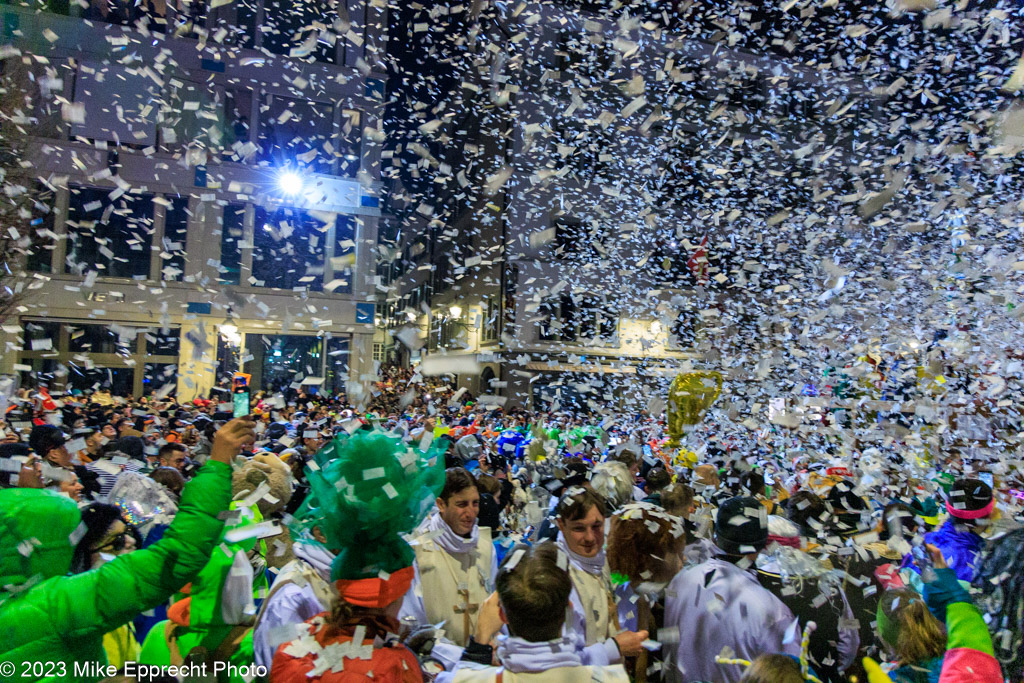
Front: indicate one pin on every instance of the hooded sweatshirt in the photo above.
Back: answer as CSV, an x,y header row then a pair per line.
x,y
62,619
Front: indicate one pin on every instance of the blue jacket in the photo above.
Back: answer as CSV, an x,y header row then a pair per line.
x,y
960,548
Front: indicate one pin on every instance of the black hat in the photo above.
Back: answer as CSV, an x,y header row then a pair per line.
x,y
490,512
741,526
969,499
132,446
275,431
45,438
842,498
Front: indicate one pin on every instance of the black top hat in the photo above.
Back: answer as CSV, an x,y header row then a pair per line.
x,y
741,526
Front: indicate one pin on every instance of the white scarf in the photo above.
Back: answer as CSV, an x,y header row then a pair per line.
x,y
316,556
591,565
448,540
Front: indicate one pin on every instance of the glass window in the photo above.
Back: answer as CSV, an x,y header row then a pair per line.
x,y
337,364
344,254
194,116
112,237
237,132
292,133
232,232
118,104
41,241
121,12
491,319
238,19
55,6
156,377
350,143
557,319
288,250
163,341
683,333
101,339
278,360
227,362
43,370
596,322
300,30
175,233
41,336
189,15
120,381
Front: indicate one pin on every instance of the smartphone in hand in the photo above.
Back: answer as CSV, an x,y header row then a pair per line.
x,y
240,402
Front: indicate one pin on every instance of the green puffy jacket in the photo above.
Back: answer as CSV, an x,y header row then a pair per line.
x,y
63,618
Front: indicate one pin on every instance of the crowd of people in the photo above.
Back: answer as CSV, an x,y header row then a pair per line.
x,y
428,537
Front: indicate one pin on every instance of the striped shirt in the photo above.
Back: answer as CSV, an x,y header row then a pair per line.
x,y
107,472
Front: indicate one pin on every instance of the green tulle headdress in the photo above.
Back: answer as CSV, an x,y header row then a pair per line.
x,y
366,490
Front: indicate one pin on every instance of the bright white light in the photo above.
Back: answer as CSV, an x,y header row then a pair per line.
x,y
456,311
229,331
290,182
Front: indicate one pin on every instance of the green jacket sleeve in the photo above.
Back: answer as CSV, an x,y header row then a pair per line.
x,y
104,598
967,629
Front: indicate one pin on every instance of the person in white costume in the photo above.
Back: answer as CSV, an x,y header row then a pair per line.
x,y
454,568
301,591
718,607
581,528
532,596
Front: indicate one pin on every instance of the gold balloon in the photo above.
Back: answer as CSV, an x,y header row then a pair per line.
x,y
689,397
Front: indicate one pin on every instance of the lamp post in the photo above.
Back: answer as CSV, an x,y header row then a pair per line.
x,y
232,338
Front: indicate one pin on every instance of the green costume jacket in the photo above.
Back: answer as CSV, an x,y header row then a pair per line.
x,y
61,620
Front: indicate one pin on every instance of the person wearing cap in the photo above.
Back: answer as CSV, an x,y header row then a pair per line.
x,y
48,442
388,492
804,584
719,603
970,504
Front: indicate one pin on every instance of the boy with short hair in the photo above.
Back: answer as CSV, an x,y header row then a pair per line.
x,y
532,594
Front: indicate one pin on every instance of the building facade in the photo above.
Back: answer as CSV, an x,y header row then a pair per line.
x,y
207,193
599,167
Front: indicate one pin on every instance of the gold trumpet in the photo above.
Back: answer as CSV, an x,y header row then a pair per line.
x,y
689,398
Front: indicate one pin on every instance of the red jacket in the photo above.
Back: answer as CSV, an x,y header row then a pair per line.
x,y
392,663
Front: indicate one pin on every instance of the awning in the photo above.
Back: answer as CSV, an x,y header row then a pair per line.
x,y
562,367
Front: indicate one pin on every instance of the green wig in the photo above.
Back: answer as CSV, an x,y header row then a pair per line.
x,y
366,490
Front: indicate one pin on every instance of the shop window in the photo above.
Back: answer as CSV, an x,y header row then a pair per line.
x,y
337,364
101,339
40,240
301,30
279,360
